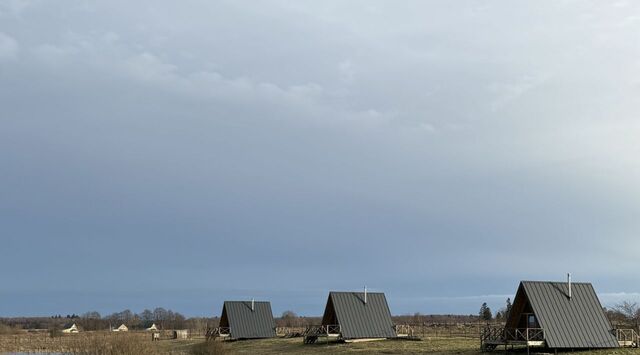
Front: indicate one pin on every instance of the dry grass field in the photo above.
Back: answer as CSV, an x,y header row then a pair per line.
x,y
101,343
295,346
427,346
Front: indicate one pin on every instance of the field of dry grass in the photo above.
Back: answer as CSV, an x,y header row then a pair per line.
x,y
440,345
94,343
140,344
295,346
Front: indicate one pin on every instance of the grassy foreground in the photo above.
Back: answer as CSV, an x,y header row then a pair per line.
x,y
295,346
426,346
107,344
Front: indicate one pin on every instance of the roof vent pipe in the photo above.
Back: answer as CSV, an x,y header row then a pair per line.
x,y
569,284
253,305
365,295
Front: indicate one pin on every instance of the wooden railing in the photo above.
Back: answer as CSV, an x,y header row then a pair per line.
x,y
627,337
217,332
512,334
290,332
527,334
332,329
312,333
492,333
323,329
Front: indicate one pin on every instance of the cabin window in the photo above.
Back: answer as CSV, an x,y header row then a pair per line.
x,y
531,321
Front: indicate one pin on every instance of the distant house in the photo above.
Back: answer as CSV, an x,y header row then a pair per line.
x,y
246,320
152,327
556,315
354,316
181,334
121,328
72,329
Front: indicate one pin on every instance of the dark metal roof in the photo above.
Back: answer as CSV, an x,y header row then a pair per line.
x,y
245,323
579,322
360,320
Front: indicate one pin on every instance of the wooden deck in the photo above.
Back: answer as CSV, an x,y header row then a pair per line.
x,y
627,338
218,332
314,332
492,337
334,332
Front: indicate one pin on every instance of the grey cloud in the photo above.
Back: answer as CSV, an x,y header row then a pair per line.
x,y
8,47
279,140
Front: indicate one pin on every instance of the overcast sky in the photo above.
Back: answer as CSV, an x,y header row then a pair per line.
x,y
179,154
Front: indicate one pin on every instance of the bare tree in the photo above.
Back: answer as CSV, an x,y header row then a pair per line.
x,y
160,317
146,318
289,318
417,318
630,311
91,321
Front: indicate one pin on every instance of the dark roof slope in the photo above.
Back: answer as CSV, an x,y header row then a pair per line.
x,y
579,322
245,323
360,320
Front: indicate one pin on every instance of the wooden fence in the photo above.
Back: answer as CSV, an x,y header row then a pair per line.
x,y
425,330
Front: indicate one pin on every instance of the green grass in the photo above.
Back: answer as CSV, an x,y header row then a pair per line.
x,y
295,346
426,346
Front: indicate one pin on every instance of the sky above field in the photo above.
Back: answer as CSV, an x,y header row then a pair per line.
x,y
178,154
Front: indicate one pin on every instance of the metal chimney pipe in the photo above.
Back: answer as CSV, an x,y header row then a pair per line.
x,y
569,284
253,304
365,295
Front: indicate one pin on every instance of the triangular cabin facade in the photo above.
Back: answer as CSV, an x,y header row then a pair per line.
x,y
246,320
354,316
556,315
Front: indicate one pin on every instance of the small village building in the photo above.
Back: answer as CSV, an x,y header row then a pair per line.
x,y
246,320
354,316
71,330
152,328
556,315
181,334
121,328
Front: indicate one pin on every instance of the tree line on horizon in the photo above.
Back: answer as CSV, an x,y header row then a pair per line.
x,y
93,320
625,314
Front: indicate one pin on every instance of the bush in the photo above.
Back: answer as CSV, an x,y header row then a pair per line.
x,y
7,330
55,332
210,347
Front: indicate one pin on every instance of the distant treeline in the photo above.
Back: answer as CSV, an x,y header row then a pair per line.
x,y
168,319
162,318
625,314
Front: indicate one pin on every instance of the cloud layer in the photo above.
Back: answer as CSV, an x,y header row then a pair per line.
x,y
181,155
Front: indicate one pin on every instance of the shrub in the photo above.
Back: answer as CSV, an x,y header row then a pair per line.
x,y
55,332
7,330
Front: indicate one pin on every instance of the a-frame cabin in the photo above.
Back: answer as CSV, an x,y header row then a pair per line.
x,y
246,320
354,316
556,315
